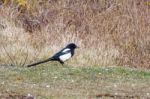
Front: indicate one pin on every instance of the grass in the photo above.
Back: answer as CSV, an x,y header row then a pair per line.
x,y
110,32
56,81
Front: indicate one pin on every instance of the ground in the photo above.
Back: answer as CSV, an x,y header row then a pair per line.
x,y
66,82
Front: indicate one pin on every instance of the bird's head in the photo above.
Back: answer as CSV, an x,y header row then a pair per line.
x,y
72,46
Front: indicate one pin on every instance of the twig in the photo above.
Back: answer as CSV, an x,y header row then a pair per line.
x,y
7,65
20,50
8,55
25,58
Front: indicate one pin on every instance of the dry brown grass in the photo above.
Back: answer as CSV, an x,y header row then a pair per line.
x,y
109,32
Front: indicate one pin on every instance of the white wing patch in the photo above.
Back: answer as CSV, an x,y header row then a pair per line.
x,y
66,49
65,57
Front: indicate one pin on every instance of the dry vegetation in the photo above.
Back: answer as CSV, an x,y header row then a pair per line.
x,y
109,32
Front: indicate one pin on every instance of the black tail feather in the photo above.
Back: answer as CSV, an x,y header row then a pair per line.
x,y
34,64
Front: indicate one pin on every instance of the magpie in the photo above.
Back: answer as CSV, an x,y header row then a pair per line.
x,y
61,56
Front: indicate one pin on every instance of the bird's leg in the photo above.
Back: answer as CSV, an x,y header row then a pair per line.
x,y
61,62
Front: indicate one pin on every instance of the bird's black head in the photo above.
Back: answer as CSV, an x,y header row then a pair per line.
x,y
72,46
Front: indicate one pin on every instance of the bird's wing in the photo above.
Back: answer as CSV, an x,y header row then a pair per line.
x,y
66,50
62,52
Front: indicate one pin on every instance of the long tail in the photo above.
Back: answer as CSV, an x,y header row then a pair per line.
x,y
34,64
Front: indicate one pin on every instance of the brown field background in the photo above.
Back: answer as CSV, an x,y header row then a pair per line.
x,y
109,32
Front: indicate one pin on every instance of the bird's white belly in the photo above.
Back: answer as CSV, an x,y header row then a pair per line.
x,y
65,57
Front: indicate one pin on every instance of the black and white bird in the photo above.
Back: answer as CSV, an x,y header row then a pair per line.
x,y
61,56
